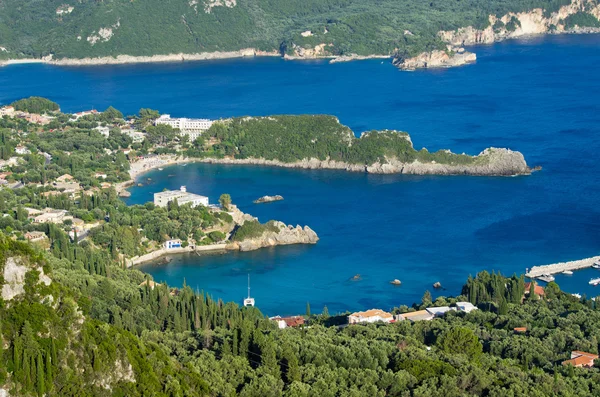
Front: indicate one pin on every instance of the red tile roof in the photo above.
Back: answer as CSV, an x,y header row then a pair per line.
x,y
539,290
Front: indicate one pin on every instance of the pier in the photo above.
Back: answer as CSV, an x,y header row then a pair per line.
x,y
555,268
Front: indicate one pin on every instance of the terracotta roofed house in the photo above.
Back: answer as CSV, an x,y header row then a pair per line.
x,y
581,359
539,290
370,316
284,322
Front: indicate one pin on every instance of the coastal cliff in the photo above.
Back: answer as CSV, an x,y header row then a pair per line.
x,y
508,26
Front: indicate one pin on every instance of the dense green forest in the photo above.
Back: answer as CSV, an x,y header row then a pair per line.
x,y
30,28
89,334
294,138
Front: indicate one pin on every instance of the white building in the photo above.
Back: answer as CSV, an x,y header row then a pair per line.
x,y
182,196
190,127
439,311
370,316
104,131
7,111
466,307
22,150
170,244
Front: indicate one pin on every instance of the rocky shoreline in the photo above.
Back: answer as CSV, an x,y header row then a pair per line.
x,y
287,235
490,162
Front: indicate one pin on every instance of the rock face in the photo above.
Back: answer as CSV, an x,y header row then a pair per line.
x,y
14,278
490,162
511,25
437,59
268,199
287,235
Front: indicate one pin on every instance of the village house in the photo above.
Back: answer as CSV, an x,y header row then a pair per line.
x,y
171,244
51,216
64,178
38,118
100,175
105,185
439,311
537,289
284,322
22,150
104,131
35,236
78,115
149,283
520,330
3,177
581,359
370,316
466,307
419,315
7,111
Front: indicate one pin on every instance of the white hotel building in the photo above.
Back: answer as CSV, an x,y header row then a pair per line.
x,y
191,127
182,196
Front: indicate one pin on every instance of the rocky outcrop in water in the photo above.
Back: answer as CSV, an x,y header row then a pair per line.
x,y
287,234
511,25
268,199
490,162
437,59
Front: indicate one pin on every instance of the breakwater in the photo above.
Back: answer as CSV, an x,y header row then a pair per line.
x,y
555,268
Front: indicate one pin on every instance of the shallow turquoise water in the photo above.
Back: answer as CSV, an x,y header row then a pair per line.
x,y
538,96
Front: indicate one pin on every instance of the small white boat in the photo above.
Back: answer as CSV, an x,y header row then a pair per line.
x,y
568,272
596,265
595,281
249,302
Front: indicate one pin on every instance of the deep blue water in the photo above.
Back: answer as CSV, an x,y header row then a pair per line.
x,y
537,96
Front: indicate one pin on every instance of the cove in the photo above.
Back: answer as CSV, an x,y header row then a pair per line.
x,y
537,96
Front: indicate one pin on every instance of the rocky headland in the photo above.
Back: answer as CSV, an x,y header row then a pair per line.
x,y
508,26
286,235
453,56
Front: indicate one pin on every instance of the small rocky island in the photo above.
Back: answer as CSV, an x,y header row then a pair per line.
x,y
268,199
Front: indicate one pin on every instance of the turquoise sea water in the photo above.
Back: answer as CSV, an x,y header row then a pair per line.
x,y
538,96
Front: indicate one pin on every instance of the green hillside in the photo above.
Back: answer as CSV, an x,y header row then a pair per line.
x,y
74,331
32,28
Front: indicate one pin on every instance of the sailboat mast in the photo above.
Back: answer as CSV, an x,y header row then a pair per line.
x,y
248,285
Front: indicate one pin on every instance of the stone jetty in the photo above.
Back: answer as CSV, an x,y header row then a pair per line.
x,y
554,268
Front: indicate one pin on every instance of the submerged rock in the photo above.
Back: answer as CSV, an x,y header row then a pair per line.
x,y
268,199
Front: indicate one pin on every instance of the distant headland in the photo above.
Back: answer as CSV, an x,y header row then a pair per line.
x,y
211,31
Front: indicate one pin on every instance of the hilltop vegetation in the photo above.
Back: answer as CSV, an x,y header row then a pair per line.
x,y
294,138
29,28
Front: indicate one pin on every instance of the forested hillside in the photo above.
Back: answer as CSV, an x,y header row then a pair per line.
x,y
90,28
71,331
